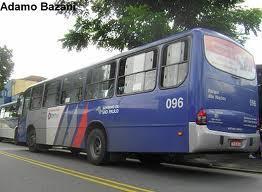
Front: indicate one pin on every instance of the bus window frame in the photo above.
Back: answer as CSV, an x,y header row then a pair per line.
x,y
95,67
233,75
31,98
20,104
62,84
189,60
29,105
59,93
157,50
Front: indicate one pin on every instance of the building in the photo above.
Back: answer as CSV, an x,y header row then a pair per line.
x,y
16,86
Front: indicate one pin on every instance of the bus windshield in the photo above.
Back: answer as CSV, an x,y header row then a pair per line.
x,y
229,57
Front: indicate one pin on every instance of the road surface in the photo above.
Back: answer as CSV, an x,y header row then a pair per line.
x,y
60,171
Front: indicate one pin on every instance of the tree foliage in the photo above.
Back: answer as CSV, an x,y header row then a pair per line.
x,y
6,65
120,24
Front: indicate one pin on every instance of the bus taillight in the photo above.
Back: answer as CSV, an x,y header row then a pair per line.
x,y
201,117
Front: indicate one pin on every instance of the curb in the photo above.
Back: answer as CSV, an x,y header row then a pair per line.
x,y
195,164
235,169
212,166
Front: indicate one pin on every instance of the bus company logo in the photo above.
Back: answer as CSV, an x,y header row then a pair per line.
x,y
104,110
52,116
99,110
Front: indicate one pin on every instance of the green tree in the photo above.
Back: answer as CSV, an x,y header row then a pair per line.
x,y
6,65
120,24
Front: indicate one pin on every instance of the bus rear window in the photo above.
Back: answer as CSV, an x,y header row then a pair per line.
x,y
229,57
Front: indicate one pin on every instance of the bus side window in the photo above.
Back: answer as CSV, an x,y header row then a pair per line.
x,y
137,73
72,89
100,82
51,94
37,94
21,104
175,64
26,105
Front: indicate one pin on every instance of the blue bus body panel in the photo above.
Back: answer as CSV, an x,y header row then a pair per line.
x,y
228,106
142,122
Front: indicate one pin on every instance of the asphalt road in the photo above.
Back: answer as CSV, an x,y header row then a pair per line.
x,y
60,171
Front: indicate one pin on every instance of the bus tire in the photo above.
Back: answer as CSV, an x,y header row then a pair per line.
x,y
97,147
31,141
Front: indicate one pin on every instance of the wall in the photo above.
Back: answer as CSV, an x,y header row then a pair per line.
x,y
20,85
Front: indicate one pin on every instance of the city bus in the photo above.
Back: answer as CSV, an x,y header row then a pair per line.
x,y
191,92
8,121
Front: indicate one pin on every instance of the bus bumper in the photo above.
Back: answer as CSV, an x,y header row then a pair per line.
x,y
201,139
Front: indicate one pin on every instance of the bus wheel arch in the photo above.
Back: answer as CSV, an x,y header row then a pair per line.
x,y
97,143
96,125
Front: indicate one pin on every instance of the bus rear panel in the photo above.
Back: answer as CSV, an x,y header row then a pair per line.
x,y
228,100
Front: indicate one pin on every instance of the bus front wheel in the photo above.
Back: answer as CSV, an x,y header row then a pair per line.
x,y
97,147
31,141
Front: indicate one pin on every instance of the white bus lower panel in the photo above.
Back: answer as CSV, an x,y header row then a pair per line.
x,y
202,139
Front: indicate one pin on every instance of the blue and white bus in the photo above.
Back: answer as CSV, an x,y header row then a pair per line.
x,y
191,92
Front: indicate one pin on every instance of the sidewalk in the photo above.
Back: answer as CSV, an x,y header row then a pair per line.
x,y
235,161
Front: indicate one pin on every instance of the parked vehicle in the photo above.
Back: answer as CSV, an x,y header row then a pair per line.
x,y
8,120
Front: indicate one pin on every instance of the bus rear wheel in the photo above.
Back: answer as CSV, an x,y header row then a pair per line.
x,y
97,147
31,141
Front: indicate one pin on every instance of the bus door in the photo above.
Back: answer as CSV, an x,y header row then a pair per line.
x,y
24,103
72,93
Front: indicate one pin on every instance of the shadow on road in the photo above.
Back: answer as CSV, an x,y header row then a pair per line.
x,y
163,170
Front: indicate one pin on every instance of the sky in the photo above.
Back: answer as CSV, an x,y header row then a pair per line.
x,y
33,37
